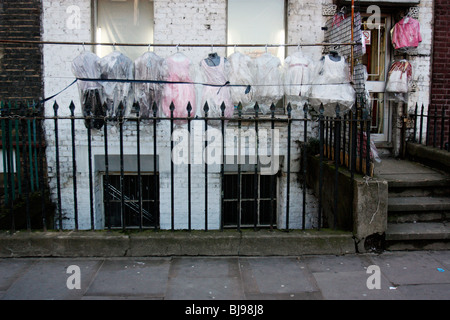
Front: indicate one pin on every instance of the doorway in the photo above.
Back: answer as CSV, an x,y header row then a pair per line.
x,y
377,59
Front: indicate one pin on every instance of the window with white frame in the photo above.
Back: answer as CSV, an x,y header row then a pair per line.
x,y
257,22
124,21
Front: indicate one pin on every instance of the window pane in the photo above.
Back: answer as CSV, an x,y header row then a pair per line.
x,y
257,22
265,213
230,213
248,189
126,21
247,212
131,197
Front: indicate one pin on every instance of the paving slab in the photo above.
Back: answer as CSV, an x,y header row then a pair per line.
x,y
411,268
352,285
46,279
276,278
131,277
204,278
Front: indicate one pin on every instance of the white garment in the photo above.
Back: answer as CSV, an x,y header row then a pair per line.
x,y
148,67
219,93
241,75
117,66
297,77
268,79
331,86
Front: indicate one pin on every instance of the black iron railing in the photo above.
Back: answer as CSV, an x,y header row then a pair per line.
x,y
433,127
343,141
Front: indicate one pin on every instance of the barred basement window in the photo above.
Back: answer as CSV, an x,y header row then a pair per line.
x,y
266,194
131,212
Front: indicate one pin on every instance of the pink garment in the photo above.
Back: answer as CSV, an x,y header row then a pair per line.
x,y
406,33
215,95
178,70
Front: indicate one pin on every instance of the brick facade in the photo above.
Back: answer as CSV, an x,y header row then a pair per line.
x,y
20,64
440,86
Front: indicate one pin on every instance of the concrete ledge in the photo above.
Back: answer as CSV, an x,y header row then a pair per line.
x,y
179,243
429,156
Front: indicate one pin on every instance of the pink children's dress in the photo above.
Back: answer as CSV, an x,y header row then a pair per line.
x,y
178,70
406,34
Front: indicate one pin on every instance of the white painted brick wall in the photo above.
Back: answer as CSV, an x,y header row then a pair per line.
x,y
176,22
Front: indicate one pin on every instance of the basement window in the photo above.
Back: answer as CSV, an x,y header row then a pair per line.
x,y
131,210
266,200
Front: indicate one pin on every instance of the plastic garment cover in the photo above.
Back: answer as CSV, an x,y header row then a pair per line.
x,y
331,86
117,66
297,78
179,69
87,66
149,66
242,76
406,34
399,77
217,94
268,80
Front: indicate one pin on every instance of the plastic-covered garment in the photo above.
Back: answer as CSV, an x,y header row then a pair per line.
x,y
241,75
297,77
149,66
268,80
399,77
178,70
117,66
406,34
87,66
330,85
214,95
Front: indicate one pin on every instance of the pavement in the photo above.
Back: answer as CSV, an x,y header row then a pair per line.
x,y
396,275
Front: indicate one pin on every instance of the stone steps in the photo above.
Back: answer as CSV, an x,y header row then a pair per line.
x,y
418,206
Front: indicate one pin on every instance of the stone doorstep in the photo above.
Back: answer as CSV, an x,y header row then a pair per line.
x,y
178,243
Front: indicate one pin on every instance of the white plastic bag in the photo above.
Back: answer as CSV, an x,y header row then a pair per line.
x,y
117,66
217,93
297,78
331,86
268,79
86,66
241,77
149,66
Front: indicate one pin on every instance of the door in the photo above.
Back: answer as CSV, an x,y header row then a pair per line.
x,y
377,59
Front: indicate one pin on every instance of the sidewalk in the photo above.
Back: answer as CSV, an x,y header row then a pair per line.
x,y
404,275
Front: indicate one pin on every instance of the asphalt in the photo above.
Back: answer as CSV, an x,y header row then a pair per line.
x,y
403,275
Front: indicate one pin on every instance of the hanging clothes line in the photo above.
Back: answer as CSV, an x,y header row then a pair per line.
x,y
173,45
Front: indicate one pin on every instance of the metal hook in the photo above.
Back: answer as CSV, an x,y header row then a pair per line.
x,y
149,45
178,50
266,48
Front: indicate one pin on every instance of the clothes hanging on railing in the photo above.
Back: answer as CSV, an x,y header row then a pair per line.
x,y
331,86
86,65
268,80
406,34
178,70
399,77
149,66
297,78
117,66
241,74
216,73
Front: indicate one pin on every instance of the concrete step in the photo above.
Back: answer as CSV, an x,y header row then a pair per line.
x,y
418,209
421,204
418,231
